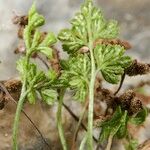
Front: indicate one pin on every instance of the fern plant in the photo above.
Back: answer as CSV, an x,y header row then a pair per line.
x,y
87,60
117,125
89,25
33,79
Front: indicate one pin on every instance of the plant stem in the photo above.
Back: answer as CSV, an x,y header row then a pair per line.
x,y
80,120
23,111
91,104
121,83
78,125
83,143
77,119
23,95
17,116
91,86
59,120
109,144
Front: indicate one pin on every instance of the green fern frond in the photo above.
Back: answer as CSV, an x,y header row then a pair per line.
x,y
33,43
78,73
111,61
76,37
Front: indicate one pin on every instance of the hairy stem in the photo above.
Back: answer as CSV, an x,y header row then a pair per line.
x,y
24,93
91,104
77,119
17,116
91,86
59,120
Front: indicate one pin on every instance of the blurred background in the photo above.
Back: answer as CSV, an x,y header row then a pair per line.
x,y
134,20
133,17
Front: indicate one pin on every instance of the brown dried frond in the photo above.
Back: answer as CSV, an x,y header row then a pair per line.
x,y
55,61
107,96
130,102
20,32
135,106
20,49
123,43
125,99
14,87
20,20
137,68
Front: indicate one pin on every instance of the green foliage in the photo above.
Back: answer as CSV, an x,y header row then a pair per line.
x,y
132,145
88,26
111,61
50,39
117,125
35,20
51,75
29,71
35,44
47,51
49,96
33,80
22,67
33,77
76,37
76,74
140,117
79,70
